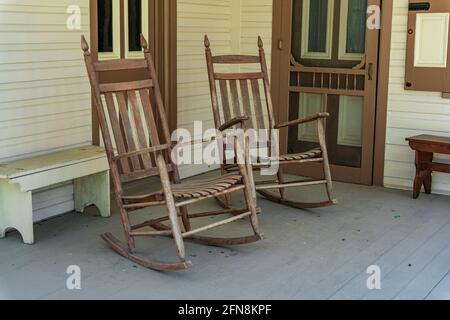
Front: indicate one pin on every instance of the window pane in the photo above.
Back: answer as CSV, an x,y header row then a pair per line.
x,y
105,25
318,20
356,26
134,24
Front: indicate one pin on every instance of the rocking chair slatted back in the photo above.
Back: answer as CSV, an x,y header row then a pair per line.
x,y
240,93
128,112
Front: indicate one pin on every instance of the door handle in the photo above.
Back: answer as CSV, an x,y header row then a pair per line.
x,y
280,44
370,71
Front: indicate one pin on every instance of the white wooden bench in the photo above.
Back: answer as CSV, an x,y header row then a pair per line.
x,y
86,166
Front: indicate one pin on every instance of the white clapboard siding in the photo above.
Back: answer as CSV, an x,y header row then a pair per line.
x,y
256,20
44,92
233,27
410,113
195,19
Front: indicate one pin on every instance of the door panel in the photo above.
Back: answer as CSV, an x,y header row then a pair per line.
x,y
333,71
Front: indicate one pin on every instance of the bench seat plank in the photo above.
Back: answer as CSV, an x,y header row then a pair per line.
x,y
431,139
52,161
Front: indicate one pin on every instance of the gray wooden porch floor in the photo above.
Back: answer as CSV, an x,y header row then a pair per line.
x,y
317,254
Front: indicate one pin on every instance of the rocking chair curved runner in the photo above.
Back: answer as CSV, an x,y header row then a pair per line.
x,y
238,99
129,125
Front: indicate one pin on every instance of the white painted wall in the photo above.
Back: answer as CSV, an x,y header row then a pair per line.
x,y
232,27
410,113
44,91
256,20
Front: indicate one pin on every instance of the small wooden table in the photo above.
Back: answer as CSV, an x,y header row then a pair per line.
x,y
426,146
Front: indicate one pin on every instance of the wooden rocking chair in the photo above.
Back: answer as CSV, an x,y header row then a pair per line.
x,y
230,113
129,124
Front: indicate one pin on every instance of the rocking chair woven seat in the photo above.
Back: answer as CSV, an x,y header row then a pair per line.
x,y
308,155
191,190
206,188
138,145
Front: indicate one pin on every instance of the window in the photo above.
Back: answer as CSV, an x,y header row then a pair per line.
x,y
352,35
136,22
317,23
108,14
105,26
109,28
134,25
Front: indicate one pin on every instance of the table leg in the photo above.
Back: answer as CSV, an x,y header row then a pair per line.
x,y
428,179
423,173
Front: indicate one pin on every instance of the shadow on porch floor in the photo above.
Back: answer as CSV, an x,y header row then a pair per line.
x,y
316,254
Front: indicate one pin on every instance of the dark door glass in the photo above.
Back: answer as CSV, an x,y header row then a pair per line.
x,y
318,22
134,24
356,26
105,26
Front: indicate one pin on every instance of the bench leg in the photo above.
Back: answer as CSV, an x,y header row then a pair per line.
x,y
93,190
16,211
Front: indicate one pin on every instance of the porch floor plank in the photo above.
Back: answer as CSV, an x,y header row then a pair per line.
x,y
395,261
309,254
442,290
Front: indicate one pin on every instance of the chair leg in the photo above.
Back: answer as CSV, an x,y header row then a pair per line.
x,y
326,161
176,228
281,180
224,201
329,185
185,218
127,229
250,198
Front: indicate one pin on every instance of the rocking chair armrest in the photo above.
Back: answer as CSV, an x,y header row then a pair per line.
x,y
315,117
233,122
141,152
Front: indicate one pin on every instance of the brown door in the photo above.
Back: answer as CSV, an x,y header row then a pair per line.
x,y
327,61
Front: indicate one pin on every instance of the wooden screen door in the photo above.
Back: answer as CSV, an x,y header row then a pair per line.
x,y
328,62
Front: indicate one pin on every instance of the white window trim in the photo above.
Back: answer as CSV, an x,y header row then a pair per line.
x,y
145,25
305,33
116,34
343,55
